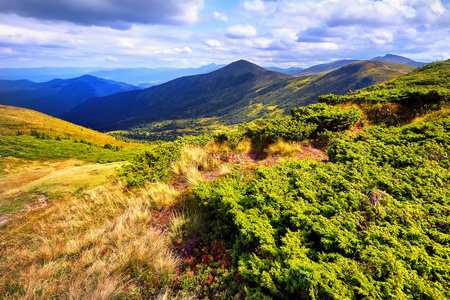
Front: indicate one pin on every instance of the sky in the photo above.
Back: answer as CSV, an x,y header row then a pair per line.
x,y
192,33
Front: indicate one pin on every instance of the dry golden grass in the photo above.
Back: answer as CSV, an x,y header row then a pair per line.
x,y
215,147
14,119
183,223
97,245
193,160
284,148
24,182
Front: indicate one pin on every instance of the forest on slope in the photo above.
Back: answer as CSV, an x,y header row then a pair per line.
x,y
248,215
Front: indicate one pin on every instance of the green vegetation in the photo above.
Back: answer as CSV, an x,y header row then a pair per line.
x,y
372,223
16,121
32,147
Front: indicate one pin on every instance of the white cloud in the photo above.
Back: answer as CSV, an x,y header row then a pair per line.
x,y
283,31
241,31
183,50
212,43
255,5
380,36
8,51
219,17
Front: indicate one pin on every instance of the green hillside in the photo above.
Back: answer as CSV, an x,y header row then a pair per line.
x,y
16,119
42,157
272,102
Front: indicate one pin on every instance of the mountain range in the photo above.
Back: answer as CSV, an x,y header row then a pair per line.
x,y
147,77
327,67
238,92
57,95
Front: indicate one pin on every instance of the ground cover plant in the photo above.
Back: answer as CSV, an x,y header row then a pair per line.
x,y
372,223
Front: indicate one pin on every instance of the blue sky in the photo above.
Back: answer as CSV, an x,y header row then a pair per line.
x,y
191,33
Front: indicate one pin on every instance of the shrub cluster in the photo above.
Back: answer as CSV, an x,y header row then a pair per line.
x,y
374,223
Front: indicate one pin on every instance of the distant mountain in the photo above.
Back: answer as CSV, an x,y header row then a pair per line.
x,y
207,95
396,59
327,67
55,96
133,76
148,77
289,71
236,93
42,74
323,68
17,85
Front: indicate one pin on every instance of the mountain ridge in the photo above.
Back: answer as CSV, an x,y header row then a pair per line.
x,y
58,95
327,67
238,92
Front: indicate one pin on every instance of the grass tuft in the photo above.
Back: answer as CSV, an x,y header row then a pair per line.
x,y
284,148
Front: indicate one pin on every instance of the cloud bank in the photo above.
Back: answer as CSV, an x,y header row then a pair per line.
x,y
110,13
154,33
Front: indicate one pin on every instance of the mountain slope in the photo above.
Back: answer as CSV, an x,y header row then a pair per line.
x,y
323,68
239,92
301,91
212,94
55,96
14,120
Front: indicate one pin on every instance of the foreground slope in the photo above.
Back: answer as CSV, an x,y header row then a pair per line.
x,y
44,159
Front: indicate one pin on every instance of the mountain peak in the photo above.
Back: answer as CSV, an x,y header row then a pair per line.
x,y
241,67
397,59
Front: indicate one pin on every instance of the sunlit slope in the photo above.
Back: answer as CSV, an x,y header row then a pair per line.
x,y
305,90
268,103
428,82
15,120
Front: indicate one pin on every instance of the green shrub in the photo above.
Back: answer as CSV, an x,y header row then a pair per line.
x,y
327,117
372,224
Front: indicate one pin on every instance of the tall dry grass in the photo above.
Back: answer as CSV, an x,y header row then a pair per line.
x,y
102,244
192,161
226,147
284,148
